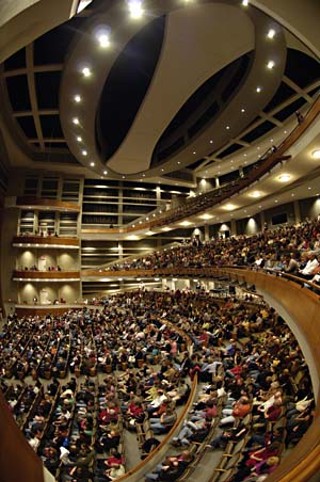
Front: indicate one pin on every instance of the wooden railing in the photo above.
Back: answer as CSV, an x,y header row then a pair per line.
x,y
41,275
18,461
46,240
137,473
38,202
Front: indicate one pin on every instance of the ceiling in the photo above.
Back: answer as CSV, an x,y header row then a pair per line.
x,y
191,90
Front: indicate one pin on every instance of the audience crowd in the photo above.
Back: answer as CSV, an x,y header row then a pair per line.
x,y
129,365
290,249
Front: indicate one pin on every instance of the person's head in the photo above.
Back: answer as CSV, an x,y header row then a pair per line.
x,y
273,460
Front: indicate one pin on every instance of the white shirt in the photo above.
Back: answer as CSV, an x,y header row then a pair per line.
x,y
311,265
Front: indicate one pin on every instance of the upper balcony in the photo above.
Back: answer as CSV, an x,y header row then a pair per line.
x,y
33,241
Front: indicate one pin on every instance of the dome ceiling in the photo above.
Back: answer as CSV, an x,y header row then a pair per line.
x,y
175,95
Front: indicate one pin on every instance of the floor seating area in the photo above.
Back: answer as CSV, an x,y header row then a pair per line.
x,y
91,376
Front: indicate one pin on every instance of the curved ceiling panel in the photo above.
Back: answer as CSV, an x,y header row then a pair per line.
x,y
201,108
187,61
128,80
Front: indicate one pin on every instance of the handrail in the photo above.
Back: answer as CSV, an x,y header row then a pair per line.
x,y
41,275
136,473
43,240
39,202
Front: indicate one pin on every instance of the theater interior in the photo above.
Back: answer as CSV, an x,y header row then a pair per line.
x,y
160,210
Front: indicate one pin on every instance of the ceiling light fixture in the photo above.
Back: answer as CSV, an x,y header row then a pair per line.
x,y
229,207
316,154
228,128
258,89
284,178
84,152
79,139
271,64
135,9
105,173
104,40
86,71
271,33
243,110
255,194
245,3
205,216
92,164
77,98
76,121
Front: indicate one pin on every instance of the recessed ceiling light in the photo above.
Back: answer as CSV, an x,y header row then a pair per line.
x,y
123,177
229,207
255,194
77,98
244,155
178,162
211,141
84,152
258,89
271,64
104,40
76,121
309,188
86,71
79,139
105,173
245,3
135,9
143,175
228,128
162,170
276,200
194,153
205,216
316,154
185,223
292,194
271,33
285,132
243,110
92,164
284,178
